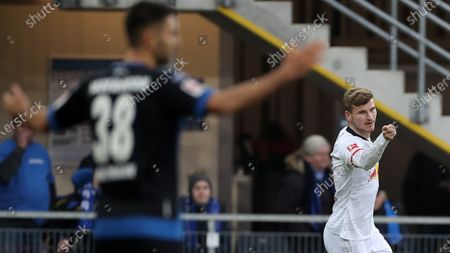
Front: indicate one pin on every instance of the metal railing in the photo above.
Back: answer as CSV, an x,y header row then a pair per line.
x,y
279,242
312,242
44,240
62,215
234,240
50,240
392,37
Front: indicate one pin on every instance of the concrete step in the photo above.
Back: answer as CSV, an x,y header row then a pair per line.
x,y
388,88
346,61
308,32
281,9
195,5
438,124
183,5
351,63
277,26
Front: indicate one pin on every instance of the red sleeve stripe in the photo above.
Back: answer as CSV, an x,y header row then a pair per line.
x,y
351,158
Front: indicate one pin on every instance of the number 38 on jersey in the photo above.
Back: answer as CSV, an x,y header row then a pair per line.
x,y
114,144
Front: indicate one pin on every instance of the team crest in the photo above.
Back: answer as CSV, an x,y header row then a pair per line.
x,y
352,147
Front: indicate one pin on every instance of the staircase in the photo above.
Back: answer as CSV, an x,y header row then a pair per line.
x,y
270,23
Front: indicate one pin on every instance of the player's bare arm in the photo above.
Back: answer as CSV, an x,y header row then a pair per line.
x,y
296,65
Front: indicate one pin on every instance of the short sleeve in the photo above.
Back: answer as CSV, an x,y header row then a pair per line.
x,y
186,96
69,109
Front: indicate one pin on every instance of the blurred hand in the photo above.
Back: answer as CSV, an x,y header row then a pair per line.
x,y
15,101
297,64
62,246
389,132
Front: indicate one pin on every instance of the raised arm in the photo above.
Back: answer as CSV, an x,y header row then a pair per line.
x,y
296,65
69,109
367,158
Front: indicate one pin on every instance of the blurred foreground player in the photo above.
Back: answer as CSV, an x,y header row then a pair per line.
x,y
355,158
133,137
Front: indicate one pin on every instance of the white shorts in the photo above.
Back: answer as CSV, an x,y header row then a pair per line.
x,y
375,244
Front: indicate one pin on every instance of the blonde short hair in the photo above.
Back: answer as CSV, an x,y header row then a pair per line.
x,y
356,97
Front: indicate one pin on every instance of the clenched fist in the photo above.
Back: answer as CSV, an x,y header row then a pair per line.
x,y
389,131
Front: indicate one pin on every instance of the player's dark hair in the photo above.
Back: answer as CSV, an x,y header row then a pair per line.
x,y
356,97
143,15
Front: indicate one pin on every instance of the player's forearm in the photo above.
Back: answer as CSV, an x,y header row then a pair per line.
x,y
245,94
368,158
39,121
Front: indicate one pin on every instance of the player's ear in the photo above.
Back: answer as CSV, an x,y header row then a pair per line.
x,y
148,38
348,115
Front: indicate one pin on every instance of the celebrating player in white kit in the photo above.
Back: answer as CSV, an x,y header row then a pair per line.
x,y
355,158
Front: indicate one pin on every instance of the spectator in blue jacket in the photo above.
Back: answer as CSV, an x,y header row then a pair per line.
x,y
82,199
200,200
26,179
392,231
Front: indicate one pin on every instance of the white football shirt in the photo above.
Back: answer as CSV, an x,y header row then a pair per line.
x,y
355,172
